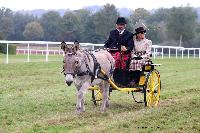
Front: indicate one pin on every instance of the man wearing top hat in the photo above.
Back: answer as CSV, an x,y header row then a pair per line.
x,y
120,45
120,37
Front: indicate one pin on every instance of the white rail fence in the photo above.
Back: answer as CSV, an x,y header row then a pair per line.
x,y
162,51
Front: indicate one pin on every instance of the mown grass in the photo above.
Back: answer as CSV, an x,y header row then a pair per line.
x,y
34,98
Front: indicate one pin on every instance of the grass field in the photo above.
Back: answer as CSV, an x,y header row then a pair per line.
x,y
34,98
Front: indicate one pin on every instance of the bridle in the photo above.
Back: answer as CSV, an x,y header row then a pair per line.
x,y
77,68
63,71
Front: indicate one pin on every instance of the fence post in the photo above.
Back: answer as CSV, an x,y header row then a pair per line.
x,y
199,53
194,53
47,52
182,53
169,53
188,53
7,54
28,53
176,53
162,53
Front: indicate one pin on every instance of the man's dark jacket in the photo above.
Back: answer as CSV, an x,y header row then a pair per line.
x,y
116,40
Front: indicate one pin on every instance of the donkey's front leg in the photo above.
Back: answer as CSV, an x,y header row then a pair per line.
x,y
80,107
105,89
78,101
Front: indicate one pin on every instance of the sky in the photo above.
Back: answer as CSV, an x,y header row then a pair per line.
x,y
78,4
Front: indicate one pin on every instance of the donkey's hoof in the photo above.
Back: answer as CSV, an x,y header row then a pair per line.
x,y
78,112
102,111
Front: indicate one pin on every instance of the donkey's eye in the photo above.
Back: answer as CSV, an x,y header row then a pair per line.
x,y
63,61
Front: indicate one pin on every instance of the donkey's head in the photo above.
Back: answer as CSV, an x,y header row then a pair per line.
x,y
70,61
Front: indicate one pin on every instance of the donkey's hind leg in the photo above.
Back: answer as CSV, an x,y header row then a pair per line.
x,y
105,89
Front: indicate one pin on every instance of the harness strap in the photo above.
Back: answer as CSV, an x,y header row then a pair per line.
x,y
96,72
82,73
88,69
97,67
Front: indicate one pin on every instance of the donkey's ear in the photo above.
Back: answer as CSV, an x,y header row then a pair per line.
x,y
74,49
63,45
76,45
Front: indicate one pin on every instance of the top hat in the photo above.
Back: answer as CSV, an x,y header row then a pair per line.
x,y
121,20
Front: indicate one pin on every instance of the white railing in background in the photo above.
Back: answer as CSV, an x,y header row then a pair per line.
x,y
29,51
45,43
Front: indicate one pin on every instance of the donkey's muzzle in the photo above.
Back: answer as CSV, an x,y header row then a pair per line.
x,y
69,83
68,79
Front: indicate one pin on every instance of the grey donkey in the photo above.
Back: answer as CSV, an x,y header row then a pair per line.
x,y
80,68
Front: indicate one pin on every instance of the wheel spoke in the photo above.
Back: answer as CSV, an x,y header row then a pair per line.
x,y
97,97
153,89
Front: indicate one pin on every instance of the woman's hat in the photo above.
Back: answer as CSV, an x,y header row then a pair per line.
x,y
121,20
139,30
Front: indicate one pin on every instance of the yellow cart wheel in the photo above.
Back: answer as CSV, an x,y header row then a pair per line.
x,y
97,97
152,89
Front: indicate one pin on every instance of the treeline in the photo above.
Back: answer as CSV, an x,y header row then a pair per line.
x,y
165,26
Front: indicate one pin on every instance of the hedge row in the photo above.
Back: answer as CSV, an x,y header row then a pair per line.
x,y
11,49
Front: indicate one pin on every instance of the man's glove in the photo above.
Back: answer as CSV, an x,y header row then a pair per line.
x,y
123,48
137,58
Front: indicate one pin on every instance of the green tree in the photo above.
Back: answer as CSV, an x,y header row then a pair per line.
x,y
5,12
104,21
86,34
20,21
195,42
6,25
71,26
160,15
83,14
51,23
182,22
1,36
138,14
33,31
153,33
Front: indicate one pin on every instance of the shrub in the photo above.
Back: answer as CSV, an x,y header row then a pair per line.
x,y
11,49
